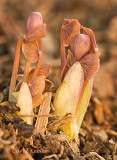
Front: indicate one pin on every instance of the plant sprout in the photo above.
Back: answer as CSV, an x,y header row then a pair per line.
x,y
31,45
29,90
78,69
69,30
77,75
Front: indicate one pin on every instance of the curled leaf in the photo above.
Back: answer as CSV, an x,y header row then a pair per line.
x,y
81,46
90,64
69,62
44,71
31,51
90,33
36,34
70,29
37,85
49,86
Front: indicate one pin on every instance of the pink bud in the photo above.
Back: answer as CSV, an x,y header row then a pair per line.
x,y
81,46
34,20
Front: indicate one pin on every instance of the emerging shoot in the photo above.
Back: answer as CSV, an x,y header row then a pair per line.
x,y
77,74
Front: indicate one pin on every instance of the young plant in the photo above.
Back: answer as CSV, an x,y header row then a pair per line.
x,y
29,90
69,30
31,45
73,95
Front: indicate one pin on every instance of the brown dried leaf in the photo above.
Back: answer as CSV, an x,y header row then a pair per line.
x,y
99,114
57,124
59,137
44,109
49,86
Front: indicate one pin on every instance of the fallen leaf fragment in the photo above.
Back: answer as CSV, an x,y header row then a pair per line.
x,y
99,114
44,109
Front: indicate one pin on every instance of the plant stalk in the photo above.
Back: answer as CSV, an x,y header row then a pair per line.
x,y
26,71
35,74
63,57
15,67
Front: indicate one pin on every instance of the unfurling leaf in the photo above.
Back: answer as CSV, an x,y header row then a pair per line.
x,y
38,33
70,29
37,85
90,64
35,27
44,70
90,33
37,100
25,103
31,51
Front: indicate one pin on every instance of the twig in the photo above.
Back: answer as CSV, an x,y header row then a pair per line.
x,y
61,151
50,156
4,58
111,132
39,116
93,154
114,152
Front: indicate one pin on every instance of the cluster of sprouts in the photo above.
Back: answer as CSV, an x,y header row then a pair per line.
x,y
78,68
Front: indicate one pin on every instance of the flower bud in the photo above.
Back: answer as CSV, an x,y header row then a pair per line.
x,y
34,20
81,46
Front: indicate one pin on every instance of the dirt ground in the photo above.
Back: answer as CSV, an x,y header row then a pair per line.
x,y
98,134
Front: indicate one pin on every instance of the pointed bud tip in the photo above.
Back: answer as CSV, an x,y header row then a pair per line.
x,y
34,20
